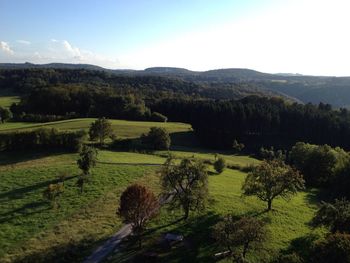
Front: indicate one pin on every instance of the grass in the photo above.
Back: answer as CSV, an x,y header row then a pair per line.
x,y
124,129
6,101
32,232
29,228
288,221
181,133
231,159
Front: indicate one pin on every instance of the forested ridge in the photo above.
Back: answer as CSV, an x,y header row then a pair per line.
x,y
258,121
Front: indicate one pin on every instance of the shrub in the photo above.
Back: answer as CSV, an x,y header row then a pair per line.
x,y
157,139
335,248
220,165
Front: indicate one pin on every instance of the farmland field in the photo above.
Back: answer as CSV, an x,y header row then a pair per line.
x,y
32,231
288,221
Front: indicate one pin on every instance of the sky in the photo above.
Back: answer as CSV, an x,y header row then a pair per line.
x,y
276,36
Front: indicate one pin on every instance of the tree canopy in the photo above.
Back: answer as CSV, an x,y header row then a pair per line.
x,y
271,179
187,182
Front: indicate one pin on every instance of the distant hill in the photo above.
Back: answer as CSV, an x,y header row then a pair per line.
x,y
315,89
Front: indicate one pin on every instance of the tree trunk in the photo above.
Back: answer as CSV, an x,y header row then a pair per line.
x,y
269,205
187,211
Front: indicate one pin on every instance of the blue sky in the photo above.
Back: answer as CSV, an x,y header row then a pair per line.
x,y
267,35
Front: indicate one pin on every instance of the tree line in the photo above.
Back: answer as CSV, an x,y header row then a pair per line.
x,y
67,101
259,121
43,139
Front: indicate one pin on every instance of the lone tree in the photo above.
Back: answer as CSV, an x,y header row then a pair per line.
x,y
52,193
335,216
220,165
272,178
187,182
137,205
87,160
101,129
239,236
157,138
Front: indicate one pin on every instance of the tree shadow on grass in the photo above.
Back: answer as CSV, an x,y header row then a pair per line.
x,y
23,211
20,192
198,245
314,196
13,157
301,246
184,138
73,251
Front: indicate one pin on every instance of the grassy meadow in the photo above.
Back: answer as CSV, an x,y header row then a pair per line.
x,y
31,231
287,222
27,220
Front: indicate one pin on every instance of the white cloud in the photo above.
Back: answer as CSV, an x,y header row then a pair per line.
x,y
24,42
308,37
4,46
74,51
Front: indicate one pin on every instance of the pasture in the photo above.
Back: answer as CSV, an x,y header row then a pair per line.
x,y
287,222
30,230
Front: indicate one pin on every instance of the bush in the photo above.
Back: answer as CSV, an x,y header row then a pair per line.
x,y
157,139
220,165
335,248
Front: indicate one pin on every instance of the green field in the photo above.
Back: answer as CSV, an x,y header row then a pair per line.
x,y
6,101
128,129
32,232
27,220
234,160
288,221
29,228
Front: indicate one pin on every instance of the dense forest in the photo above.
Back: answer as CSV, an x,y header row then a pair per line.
x,y
222,83
258,121
216,119
23,81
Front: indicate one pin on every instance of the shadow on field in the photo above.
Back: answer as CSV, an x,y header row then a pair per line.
x,y
186,138
20,192
67,253
301,246
197,246
35,207
13,157
313,196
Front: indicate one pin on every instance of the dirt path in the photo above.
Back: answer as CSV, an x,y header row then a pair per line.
x,y
112,244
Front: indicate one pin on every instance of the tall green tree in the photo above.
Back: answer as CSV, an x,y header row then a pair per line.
x,y
100,129
187,182
271,179
87,160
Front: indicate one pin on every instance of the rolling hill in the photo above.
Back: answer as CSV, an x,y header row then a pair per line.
x,y
301,88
